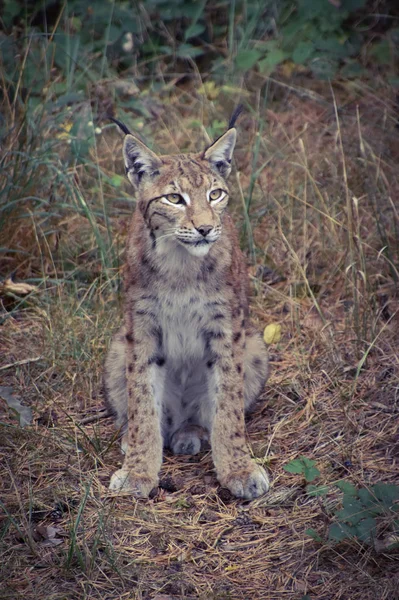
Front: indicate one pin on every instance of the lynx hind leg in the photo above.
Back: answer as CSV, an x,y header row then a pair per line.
x,y
115,383
256,366
188,439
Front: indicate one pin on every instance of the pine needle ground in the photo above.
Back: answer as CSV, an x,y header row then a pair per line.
x,y
319,194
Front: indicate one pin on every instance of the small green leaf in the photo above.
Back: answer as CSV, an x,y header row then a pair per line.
x,y
332,46
386,493
76,23
316,490
246,59
188,51
352,70
381,52
353,511
295,466
273,58
313,534
347,488
352,5
304,466
323,67
340,531
369,501
70,98
194,30
114,33
311,473
182,503
365,529
310,470
165,49
302,52
117,180
10,10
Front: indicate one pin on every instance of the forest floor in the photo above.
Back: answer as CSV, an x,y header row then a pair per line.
x,y
319,164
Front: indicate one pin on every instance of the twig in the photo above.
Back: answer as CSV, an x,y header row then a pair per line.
x,y
221,534
102,414
20,362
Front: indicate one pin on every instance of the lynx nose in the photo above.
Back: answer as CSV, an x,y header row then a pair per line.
x,y
204,229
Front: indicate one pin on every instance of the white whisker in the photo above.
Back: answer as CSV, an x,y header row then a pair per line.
x,y
166,235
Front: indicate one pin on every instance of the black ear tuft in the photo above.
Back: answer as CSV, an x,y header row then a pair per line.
x,y
120,125
236,113
139,159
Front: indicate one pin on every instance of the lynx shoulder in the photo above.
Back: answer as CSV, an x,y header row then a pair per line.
x,y
187,363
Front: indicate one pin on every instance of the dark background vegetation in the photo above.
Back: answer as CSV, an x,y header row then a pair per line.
x,y
314,195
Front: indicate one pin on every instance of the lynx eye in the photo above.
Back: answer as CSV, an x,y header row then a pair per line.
x,y
216,195
175,198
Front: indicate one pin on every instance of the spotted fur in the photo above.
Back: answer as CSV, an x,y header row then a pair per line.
x,y
186,363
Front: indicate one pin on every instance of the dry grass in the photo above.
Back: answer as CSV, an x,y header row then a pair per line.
x,y
325,226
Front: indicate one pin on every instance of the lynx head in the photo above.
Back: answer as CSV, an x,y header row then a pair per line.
x,y
182,196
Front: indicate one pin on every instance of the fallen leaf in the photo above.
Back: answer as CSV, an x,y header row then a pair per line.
x,y
19,289
267,274
388,543
272,333
46,535
313,321
300,586
288,68
52,542
127,88
24,412
47,532
276,497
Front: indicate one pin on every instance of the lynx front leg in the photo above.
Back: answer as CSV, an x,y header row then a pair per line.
x,y
143,441
234,467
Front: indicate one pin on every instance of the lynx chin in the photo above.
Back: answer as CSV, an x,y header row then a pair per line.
x,y
187,363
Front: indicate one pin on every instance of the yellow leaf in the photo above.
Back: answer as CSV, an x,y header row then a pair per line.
x,y
64,135
230,89
289,68
272,333
209,90
19,289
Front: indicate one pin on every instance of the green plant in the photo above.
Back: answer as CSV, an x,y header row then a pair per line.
x,y
370,515
326,37
315,34
87,44
362,508
303,466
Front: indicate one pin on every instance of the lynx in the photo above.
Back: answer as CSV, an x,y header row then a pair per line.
x,y
187,363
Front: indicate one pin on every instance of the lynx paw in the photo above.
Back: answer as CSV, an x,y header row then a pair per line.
x,y
188,440
128,483
248,483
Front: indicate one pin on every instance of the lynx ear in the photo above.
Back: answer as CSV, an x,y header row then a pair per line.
x,y
139,160
221,152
